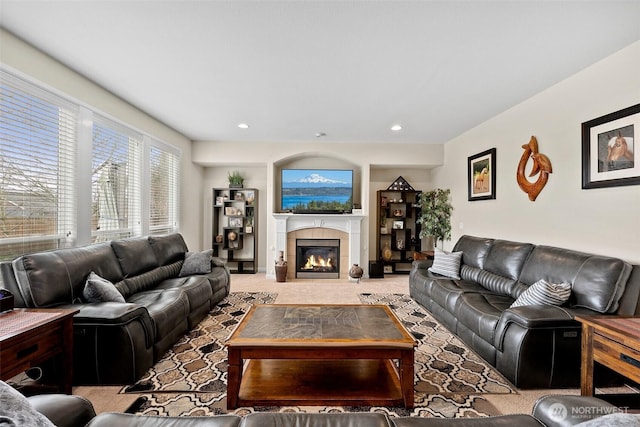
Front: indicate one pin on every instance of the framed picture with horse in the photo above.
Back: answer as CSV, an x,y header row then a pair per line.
x,y
481,171
609,155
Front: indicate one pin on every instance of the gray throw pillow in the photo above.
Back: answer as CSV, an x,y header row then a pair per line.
x,y
446,264
544,293
196,263
15,409
99,289
617,420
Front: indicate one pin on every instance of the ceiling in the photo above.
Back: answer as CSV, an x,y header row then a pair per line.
x,y
347,69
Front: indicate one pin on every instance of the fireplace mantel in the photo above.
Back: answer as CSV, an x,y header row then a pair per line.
x,y
348,223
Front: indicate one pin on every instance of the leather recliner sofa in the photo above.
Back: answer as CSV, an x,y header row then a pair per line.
x,y
534,346
549,411
117,342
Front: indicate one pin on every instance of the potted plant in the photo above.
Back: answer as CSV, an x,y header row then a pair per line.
x,y
435,215
235,180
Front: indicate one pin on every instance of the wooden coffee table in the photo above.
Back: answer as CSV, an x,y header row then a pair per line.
x,y
320,355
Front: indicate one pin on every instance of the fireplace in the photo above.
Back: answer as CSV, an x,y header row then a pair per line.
x,y
318,258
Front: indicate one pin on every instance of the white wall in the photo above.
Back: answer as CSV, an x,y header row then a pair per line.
x,y
32,63
602,221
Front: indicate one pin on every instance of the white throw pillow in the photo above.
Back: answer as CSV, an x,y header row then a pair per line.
x,y
99,289
544,293
447,264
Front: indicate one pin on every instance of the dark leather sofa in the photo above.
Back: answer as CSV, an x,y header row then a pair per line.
x,y
550,411
534,346
117,342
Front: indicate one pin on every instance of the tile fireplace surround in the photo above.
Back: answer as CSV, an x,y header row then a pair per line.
x,y
346,227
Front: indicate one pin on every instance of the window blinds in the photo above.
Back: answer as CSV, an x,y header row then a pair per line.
x,y
37,141
164,164
115,181
45,161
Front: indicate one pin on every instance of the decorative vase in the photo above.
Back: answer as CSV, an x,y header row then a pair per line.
x,y
281,268
387,253
355,272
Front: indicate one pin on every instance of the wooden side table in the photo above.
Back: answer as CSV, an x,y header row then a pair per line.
x,y
613,341
30,336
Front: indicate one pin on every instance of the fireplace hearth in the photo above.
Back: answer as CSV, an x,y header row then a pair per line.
x,y
318,258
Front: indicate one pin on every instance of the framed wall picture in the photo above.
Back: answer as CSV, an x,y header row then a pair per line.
x,y
398,225
609,155
481,175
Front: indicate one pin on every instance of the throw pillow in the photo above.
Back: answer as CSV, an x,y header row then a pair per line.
x,y
99,289
196,263
446,264
16,410
544,293
617,419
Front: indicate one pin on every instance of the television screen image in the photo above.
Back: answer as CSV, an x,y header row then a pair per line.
x,y
317,190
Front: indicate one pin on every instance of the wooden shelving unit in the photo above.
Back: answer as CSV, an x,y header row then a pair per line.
x,y
397,232
235,228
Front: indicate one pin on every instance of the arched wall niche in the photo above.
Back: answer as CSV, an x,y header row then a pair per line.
x,y
315,160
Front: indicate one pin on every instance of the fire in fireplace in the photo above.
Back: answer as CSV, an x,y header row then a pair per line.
x,y
318,258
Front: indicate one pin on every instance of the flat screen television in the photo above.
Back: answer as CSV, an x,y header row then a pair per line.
x,y
317,190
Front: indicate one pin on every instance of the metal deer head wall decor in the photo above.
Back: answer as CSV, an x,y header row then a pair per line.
x,y
541,167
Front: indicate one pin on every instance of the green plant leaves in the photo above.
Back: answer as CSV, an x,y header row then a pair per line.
x,y
435,214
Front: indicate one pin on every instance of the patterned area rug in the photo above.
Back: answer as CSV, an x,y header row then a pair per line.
x,y
198,362
444,364
190,379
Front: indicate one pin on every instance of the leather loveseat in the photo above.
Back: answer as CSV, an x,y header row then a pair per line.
x,y
117,342
534,346
550,411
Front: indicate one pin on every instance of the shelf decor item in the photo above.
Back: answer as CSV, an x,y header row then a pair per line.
x,y
235,180
435,215
400,184
387,253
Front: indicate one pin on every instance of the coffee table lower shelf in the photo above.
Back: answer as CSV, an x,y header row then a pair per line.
x,y
294,382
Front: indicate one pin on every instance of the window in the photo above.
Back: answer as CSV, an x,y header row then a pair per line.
x,y
37,141
115,181
50,148
164,164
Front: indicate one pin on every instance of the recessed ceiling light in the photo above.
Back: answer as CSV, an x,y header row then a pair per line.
x,y
243,126
396,128
320,134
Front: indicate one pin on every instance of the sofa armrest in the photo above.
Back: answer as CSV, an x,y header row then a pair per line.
x,y
114,313
64,410
533,317
422,264
101,327
569,410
